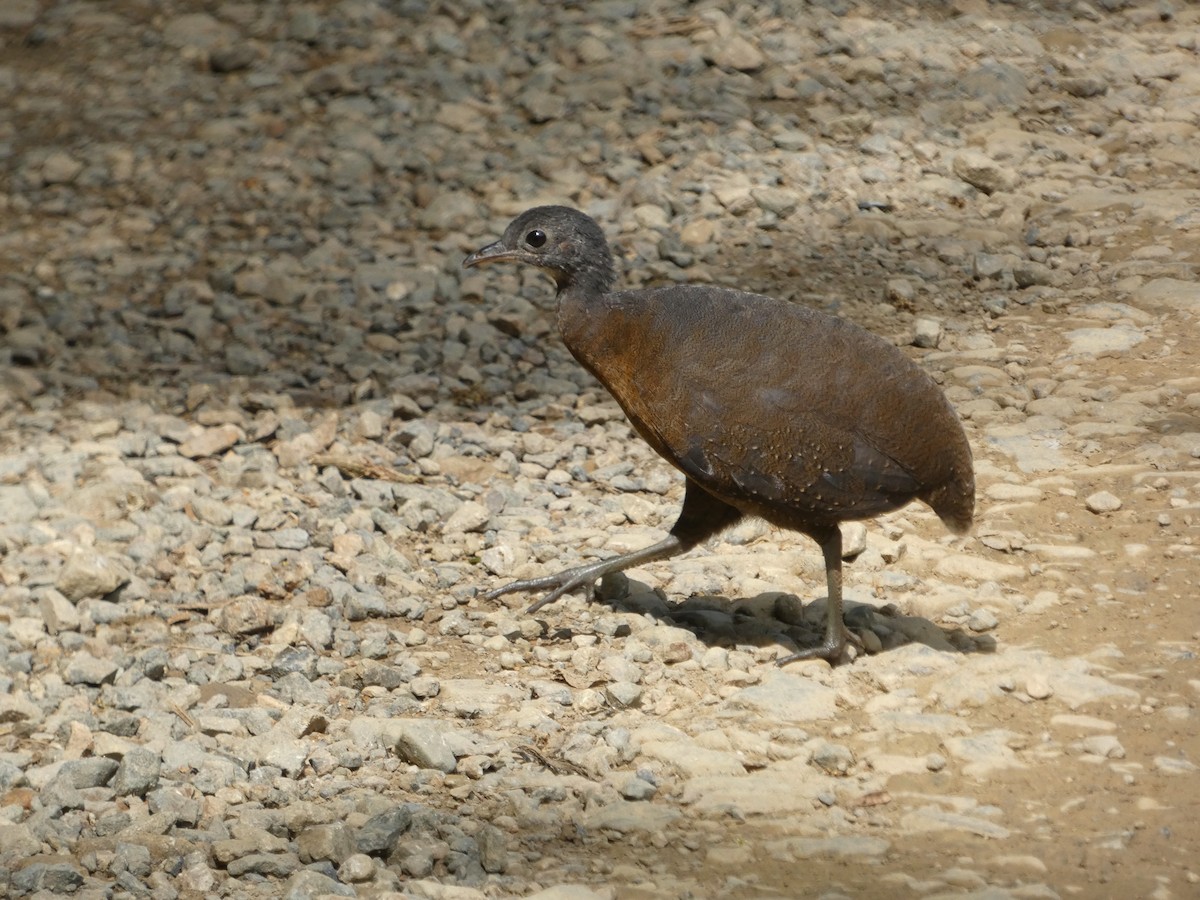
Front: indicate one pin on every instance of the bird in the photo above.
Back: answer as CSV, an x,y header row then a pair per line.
x,y
769,408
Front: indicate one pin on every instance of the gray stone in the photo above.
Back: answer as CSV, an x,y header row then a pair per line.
x,y
211,441
470,516
307,884
424,744
636,788
737,53
357,868
60,168
1102,502
269,865
58,612
88,573
1106,746
981,172
493,849
331,842
137,773
83,668
379,834
53,877
927,332
132,858
17,843
982,620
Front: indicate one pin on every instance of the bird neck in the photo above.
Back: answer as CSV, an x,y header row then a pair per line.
x,y
591,276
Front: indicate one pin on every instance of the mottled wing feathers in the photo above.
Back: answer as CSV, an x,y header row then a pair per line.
x,y
803,468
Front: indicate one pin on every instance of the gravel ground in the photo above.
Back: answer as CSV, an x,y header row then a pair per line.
x,y
262,442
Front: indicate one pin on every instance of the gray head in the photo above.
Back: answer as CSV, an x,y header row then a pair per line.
x,y
559,240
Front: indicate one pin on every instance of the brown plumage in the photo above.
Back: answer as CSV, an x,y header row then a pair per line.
x,y
769,409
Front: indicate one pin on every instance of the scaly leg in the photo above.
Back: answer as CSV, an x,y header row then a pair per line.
x,y
702,516
836,635
587,576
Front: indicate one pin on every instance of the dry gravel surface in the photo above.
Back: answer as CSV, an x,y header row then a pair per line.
x,y
263,443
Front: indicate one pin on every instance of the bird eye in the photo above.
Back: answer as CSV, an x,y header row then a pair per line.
x,y
535,238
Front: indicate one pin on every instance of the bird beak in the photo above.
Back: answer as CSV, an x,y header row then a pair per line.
x,y
492,253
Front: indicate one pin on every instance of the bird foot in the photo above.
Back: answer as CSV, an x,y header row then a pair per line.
x,y
563,582
833,650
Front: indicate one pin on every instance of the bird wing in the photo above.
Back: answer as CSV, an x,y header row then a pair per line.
x,y
787,461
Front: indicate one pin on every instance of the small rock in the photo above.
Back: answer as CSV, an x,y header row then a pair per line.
x,y
380,833
1172,765
357,868
1084,86
1102,502
637,788
425,745
52,877
58,612
424,687
246,615
309,884
137,773
268,865
493,849
927,333
325,842
304,25
211,441
91,772
1105,746
86,669
776,200
60,168
854,539
88,573
624,694
1038,688
232,58
980,171
737,53
498,560
132,858
833,759
470,516
982,620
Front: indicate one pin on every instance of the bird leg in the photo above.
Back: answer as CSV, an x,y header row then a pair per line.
x,y
836,635
702,516
587,576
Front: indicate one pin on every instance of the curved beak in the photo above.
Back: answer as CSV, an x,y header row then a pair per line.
x,y
492,253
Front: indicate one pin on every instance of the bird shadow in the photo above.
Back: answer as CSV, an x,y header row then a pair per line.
x,y
776,619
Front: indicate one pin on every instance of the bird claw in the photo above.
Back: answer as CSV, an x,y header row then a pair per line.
x,y
562,582
832,651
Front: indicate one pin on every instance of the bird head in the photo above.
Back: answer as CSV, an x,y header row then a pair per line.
x,y
561,241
